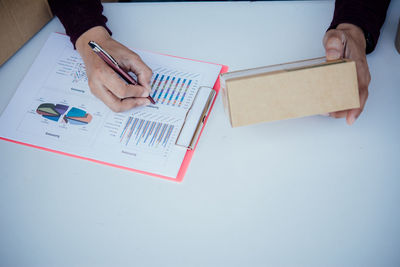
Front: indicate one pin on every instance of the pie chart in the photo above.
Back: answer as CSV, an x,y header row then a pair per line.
x,y
75,116
51,111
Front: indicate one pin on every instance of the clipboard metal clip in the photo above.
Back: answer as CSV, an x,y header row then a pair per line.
x,y
195,118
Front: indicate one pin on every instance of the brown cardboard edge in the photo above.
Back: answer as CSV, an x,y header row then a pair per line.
x,y
338,61
225,99
229,107
49,10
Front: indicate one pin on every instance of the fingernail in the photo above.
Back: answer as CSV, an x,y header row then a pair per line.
x,y
332,54
351,120
325,114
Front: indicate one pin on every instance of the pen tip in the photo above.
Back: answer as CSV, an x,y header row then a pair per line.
x,y
91,44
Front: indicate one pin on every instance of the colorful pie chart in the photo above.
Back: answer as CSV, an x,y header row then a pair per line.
x,y
51,111
77,116
74,116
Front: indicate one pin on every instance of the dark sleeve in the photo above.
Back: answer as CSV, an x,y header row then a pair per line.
x,y
78,16
369,15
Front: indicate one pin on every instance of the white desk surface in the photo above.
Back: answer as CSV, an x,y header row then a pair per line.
x,y
303,192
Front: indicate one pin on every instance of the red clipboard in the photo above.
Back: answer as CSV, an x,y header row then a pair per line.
x,y
189,153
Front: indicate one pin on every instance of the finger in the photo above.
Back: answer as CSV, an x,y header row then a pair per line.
x,y
353,114
363,75
338,114
134,63
363,78
119,87
132,102
118,105
334,41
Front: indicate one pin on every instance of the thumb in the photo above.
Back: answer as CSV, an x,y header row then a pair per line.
x,y
334,41
135,64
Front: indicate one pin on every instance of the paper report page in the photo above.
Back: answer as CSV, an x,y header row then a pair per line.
x,y
54,108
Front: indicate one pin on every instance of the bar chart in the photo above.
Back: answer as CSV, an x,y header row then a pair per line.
x,y
173,88
147,133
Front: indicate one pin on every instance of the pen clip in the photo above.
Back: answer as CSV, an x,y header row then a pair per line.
x,y
97,48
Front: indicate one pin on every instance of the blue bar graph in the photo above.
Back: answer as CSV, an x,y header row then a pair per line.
x,y
172,90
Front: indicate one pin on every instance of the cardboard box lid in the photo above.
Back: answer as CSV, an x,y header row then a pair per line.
x,y
254,96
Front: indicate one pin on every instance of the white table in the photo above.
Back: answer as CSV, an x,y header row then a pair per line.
x,y
308,192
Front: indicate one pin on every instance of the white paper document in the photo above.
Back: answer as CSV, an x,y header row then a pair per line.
x,y
53,108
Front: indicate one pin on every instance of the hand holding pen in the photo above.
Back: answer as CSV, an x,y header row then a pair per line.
x,y
103,79
112,63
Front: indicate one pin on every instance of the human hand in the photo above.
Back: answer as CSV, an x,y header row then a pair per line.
x,y
348,41
104,82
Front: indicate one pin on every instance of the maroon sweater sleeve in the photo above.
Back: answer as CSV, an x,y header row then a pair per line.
x,y
369,15
78,16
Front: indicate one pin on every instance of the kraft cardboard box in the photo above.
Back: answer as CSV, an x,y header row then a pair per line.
x,y
19,21
289,90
